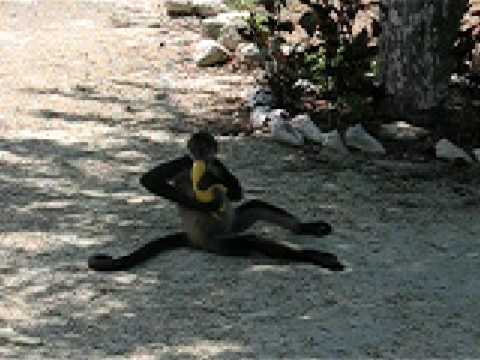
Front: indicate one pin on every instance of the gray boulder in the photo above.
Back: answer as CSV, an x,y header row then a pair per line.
x,y
249,54
357,137
401,130
209,7
195,7
280,114
446,150
230,38
333,144
307,128
282,131
213,27
305,86
259,96
179,7
259,117
210,52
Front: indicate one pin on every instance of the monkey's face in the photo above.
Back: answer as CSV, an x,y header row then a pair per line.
x,y
202,146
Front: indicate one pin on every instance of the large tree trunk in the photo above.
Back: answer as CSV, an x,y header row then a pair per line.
x,y
415,54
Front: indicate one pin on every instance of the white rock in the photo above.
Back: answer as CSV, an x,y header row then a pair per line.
x,y
306,86
476,152
209,7
259,96
286,49
283,131
278,115
250,54
333,142
259,117
357,137
212,27
444,149
230,38
401,130
179,7
307,128
210,52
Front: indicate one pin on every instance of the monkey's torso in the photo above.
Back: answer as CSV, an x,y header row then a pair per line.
x,y
219,231
204,230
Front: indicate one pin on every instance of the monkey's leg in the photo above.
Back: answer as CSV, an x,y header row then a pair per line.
x,y
242,245
256,210
103,262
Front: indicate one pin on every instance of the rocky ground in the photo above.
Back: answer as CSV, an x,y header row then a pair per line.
x,y
87,104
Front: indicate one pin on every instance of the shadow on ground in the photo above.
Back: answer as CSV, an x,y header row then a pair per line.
x,y
65,199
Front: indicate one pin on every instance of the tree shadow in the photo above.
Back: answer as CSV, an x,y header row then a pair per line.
x,y
217,116
65,201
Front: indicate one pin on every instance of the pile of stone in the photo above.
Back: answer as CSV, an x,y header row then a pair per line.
x,y
220,28
295,131
222,41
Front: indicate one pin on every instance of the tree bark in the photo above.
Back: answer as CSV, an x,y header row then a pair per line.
x,y
415,60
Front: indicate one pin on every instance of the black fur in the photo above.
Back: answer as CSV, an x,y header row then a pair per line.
x,y
164,181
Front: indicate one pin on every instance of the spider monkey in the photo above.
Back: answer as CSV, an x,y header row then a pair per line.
x,y
223,233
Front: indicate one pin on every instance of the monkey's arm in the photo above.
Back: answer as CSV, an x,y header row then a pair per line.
x,y
234,189
157,181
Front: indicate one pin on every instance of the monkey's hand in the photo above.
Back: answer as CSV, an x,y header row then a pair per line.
x,y
318,228
324,259
207,181
215,204
206,191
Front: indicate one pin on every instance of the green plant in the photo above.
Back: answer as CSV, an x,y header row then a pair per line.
x,y
348,56
335,59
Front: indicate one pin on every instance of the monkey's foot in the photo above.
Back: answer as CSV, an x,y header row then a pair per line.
x,y
318,228
100,262
324,259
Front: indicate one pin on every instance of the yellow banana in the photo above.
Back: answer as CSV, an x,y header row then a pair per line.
x,y
198,170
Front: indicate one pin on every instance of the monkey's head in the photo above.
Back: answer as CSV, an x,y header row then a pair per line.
x,y
202,146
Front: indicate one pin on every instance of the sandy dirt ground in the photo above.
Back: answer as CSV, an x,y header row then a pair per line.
x,y
85,108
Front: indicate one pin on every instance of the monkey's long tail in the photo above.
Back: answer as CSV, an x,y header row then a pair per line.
x,y
102,262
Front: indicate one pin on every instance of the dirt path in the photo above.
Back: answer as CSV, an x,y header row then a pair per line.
x,y
88,103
